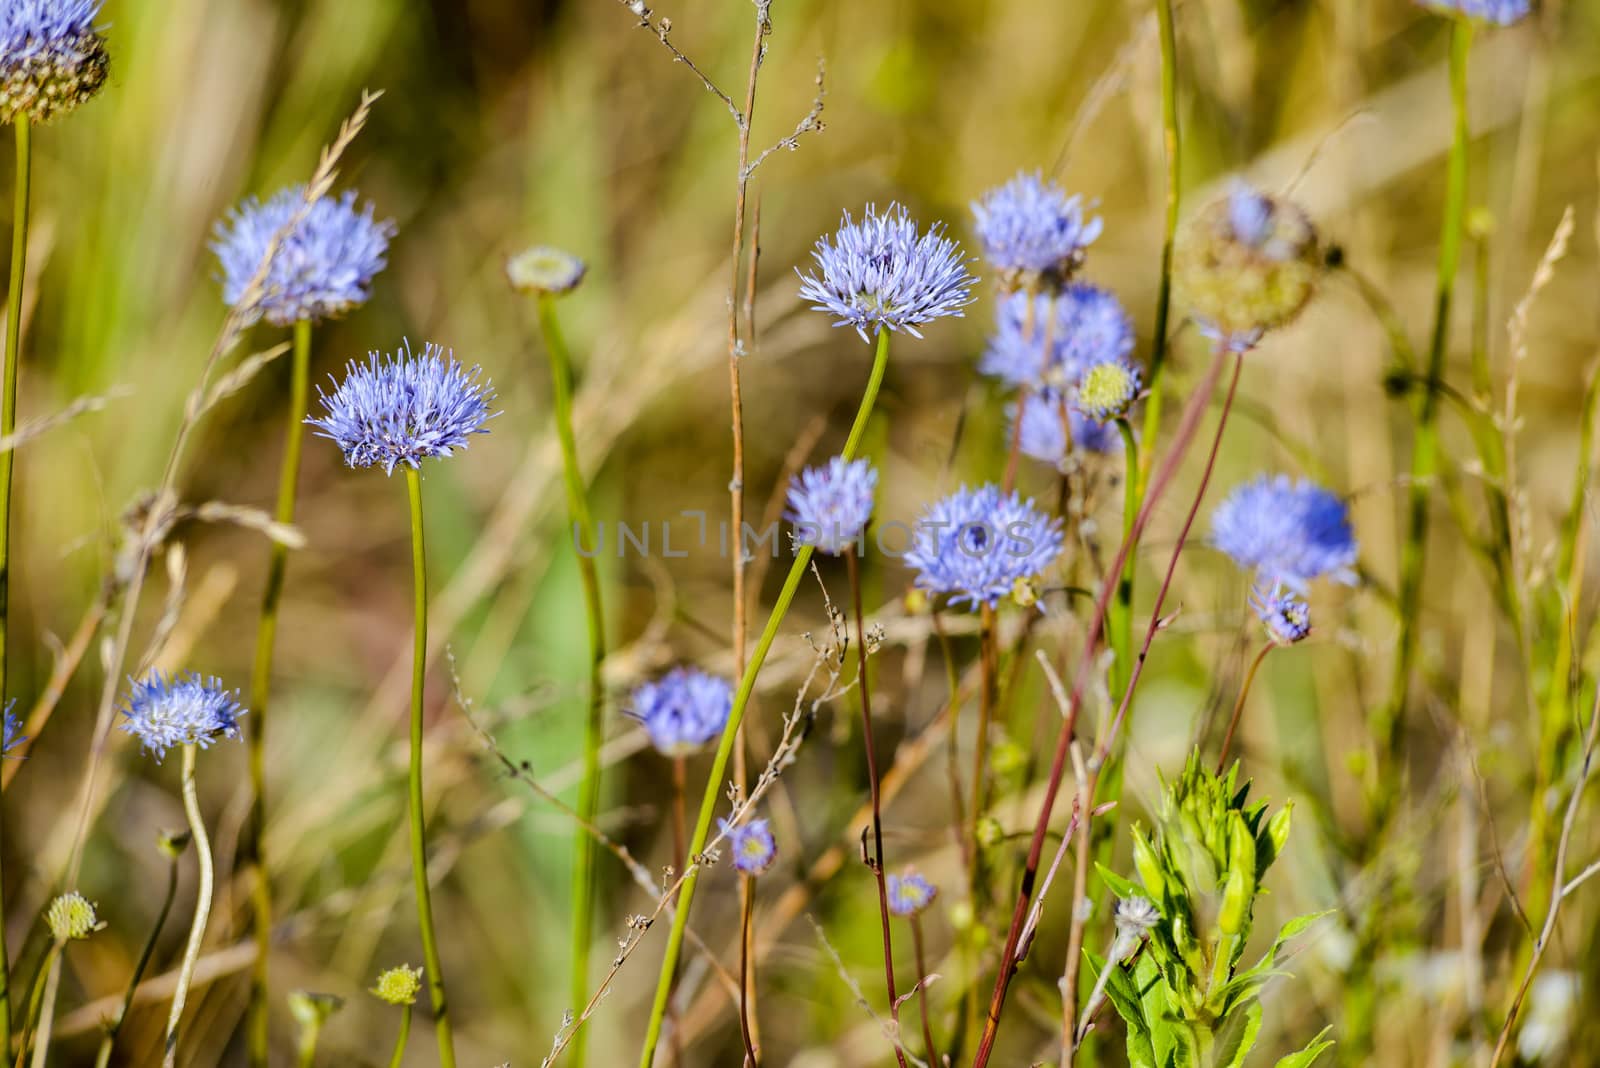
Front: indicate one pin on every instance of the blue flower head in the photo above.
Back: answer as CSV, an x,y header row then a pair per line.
x,y
1498,12
1030,227
13,731
910,893
1286,531
881,273
978,545
184,710
751,844
683,709
321,268
1287,616
404,408
830,505
1042,437
1052,339
52,57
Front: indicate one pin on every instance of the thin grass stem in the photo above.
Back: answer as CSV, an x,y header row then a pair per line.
x,y
202,908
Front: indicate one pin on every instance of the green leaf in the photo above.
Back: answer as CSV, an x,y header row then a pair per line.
x,y
1120,886
1305,1057
1237,1036
1125,999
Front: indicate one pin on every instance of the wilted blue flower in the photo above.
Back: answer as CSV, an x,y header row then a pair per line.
x,y
830,505
881,273
52,57
978,545
1499,12
1051,339
185,710
1286,531
1032,226
13,731
1042,436
683,709
1287,616
751,844
909,894
323,267
402,409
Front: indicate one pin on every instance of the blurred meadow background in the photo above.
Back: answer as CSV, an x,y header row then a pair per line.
x,y
505,124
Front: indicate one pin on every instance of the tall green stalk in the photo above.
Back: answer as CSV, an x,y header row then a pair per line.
x,y
202,908
583,870
261,686
1172,150
419,841
8,424
399,1054
747,685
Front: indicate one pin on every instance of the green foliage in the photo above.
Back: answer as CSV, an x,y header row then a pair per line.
x,y
1186,999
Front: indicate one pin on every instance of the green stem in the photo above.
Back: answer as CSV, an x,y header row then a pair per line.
x,y
747,685
172,846
1120,620
419,847
583,872
260,691
35,1000
202,908
400,1039
8,424
308,1045
1172,146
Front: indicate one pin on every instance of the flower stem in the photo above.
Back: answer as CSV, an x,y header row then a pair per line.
x,y
8,423
1172,146
1238,704
922,987
114,1025
260,690
419,846
747,907
583,871
400,1039
741,698
1120,622
35,1000
202,908
980,749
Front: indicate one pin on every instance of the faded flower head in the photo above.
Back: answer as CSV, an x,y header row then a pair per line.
x,y
910,893
323,266
185,710
72,916
1050,340
1286,531
402,409
751,844
398,985
1108,389
1286,616
1134,916
1497,12
1043,435
311,1009
13,736
830,505
881,273
1246,264
1031,229
543,269
52,57
683,709
976,545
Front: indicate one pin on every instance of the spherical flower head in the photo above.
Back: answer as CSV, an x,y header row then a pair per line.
x,y
404,408
1495,12
1286,531
975,544
910,893
1044,436
543,269
751,844
1107,390
830,505
13,736
1052,339
399,985
1246,264
72,916
1286,616
52,58
1031,229
322,267
881,273
184,710
683,710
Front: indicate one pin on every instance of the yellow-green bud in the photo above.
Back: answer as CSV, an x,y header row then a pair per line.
x,y
399,985
1235,903
990,832
1148,865
311,1009
543,269
72,916
1278,829
1008,759
1107,390
1024,593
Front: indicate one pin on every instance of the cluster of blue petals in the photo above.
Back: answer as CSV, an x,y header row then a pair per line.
x,y
186,709
976,545
1286,531
1029,224
830,505
683,710
1049,340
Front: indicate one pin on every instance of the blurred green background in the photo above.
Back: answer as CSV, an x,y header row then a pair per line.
x,y
508,123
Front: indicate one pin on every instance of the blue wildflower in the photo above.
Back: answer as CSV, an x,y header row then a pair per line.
x,y
1498,12
978,545
830,505
1032,227
881,273
402,409
184,710
751,844
1052,339
52,57
909,894
683,709
13,736
1042,437
1286,531
323,266
1287,616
